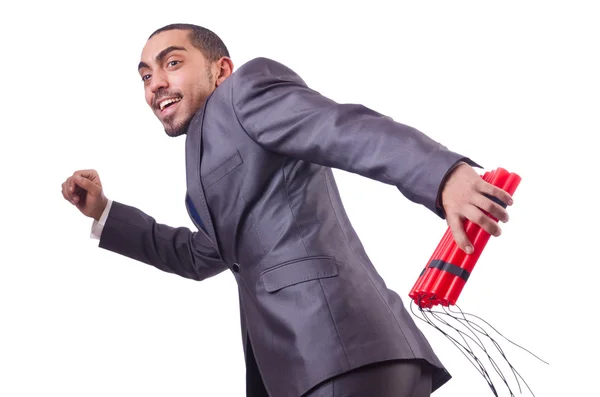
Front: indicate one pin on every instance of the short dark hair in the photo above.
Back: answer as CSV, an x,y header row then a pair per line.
x,y
203,39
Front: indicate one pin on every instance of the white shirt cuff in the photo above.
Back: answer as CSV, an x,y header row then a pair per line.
x,y
97,226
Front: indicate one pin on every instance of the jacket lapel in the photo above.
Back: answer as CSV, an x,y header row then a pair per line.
x,y
195,199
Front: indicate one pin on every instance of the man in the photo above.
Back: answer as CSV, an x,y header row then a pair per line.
x,y
317,319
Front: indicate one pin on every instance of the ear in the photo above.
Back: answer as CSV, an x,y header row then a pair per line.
x,y
224,69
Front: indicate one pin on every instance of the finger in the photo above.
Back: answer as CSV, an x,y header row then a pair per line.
x,y
70,190
87,185
489,205
70,197
65,191
456,225
496,192
70,185
478,217
88,174
73,190
80,203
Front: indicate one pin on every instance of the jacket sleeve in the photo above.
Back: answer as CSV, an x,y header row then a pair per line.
x,y
132,233
282,114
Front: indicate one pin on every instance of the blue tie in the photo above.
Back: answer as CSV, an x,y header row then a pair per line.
x,y
194,213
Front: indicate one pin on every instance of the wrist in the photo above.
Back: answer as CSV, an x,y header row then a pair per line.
x,y
100,210
442,187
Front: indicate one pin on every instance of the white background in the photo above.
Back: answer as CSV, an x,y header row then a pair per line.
x,y
513,85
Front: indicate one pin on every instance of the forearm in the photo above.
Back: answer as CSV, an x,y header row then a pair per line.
x,y
132,233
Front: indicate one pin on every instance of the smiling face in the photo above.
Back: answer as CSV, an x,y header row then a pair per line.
x,y
177,78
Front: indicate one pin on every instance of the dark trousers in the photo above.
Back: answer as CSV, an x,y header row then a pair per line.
x,y
254,383
398,378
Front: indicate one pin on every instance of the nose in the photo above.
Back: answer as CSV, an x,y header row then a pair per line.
x,y
158,81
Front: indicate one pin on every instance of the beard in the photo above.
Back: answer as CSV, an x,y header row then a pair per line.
x,y
174,127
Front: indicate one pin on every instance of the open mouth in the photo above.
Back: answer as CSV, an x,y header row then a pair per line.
x,y
166,103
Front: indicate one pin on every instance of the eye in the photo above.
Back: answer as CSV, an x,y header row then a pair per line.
x,y
145,77
173,63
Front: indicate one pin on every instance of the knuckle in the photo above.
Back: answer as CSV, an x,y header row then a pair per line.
x,y
490,206
503,195
456,227
482,185
480,218
458,237
489,228
496,211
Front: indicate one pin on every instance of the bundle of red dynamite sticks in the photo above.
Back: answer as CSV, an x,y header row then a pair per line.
x,y
444,277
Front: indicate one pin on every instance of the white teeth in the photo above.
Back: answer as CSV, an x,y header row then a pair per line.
x,y
166,102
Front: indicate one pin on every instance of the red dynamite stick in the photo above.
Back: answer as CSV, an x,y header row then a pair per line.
x,y
428,274
422,290
456,286
439,274
449,274
450,261
449,268
480,237
432,274
433,279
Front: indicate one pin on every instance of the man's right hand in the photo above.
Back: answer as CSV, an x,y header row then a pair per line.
x,y
84,190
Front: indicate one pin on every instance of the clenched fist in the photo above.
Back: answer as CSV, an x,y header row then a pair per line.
x,y
84,190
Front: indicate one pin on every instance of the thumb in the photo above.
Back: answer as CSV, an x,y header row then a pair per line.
x,y
89,186
460,236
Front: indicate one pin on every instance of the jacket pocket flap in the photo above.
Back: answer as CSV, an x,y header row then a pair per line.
x,y
219,172
298,271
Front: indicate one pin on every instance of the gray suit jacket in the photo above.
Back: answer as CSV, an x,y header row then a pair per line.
x,y
259,160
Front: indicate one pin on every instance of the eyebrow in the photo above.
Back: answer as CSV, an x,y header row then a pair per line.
x,y
162,55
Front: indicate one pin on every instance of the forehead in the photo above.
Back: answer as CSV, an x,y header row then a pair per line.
x,y
162,40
